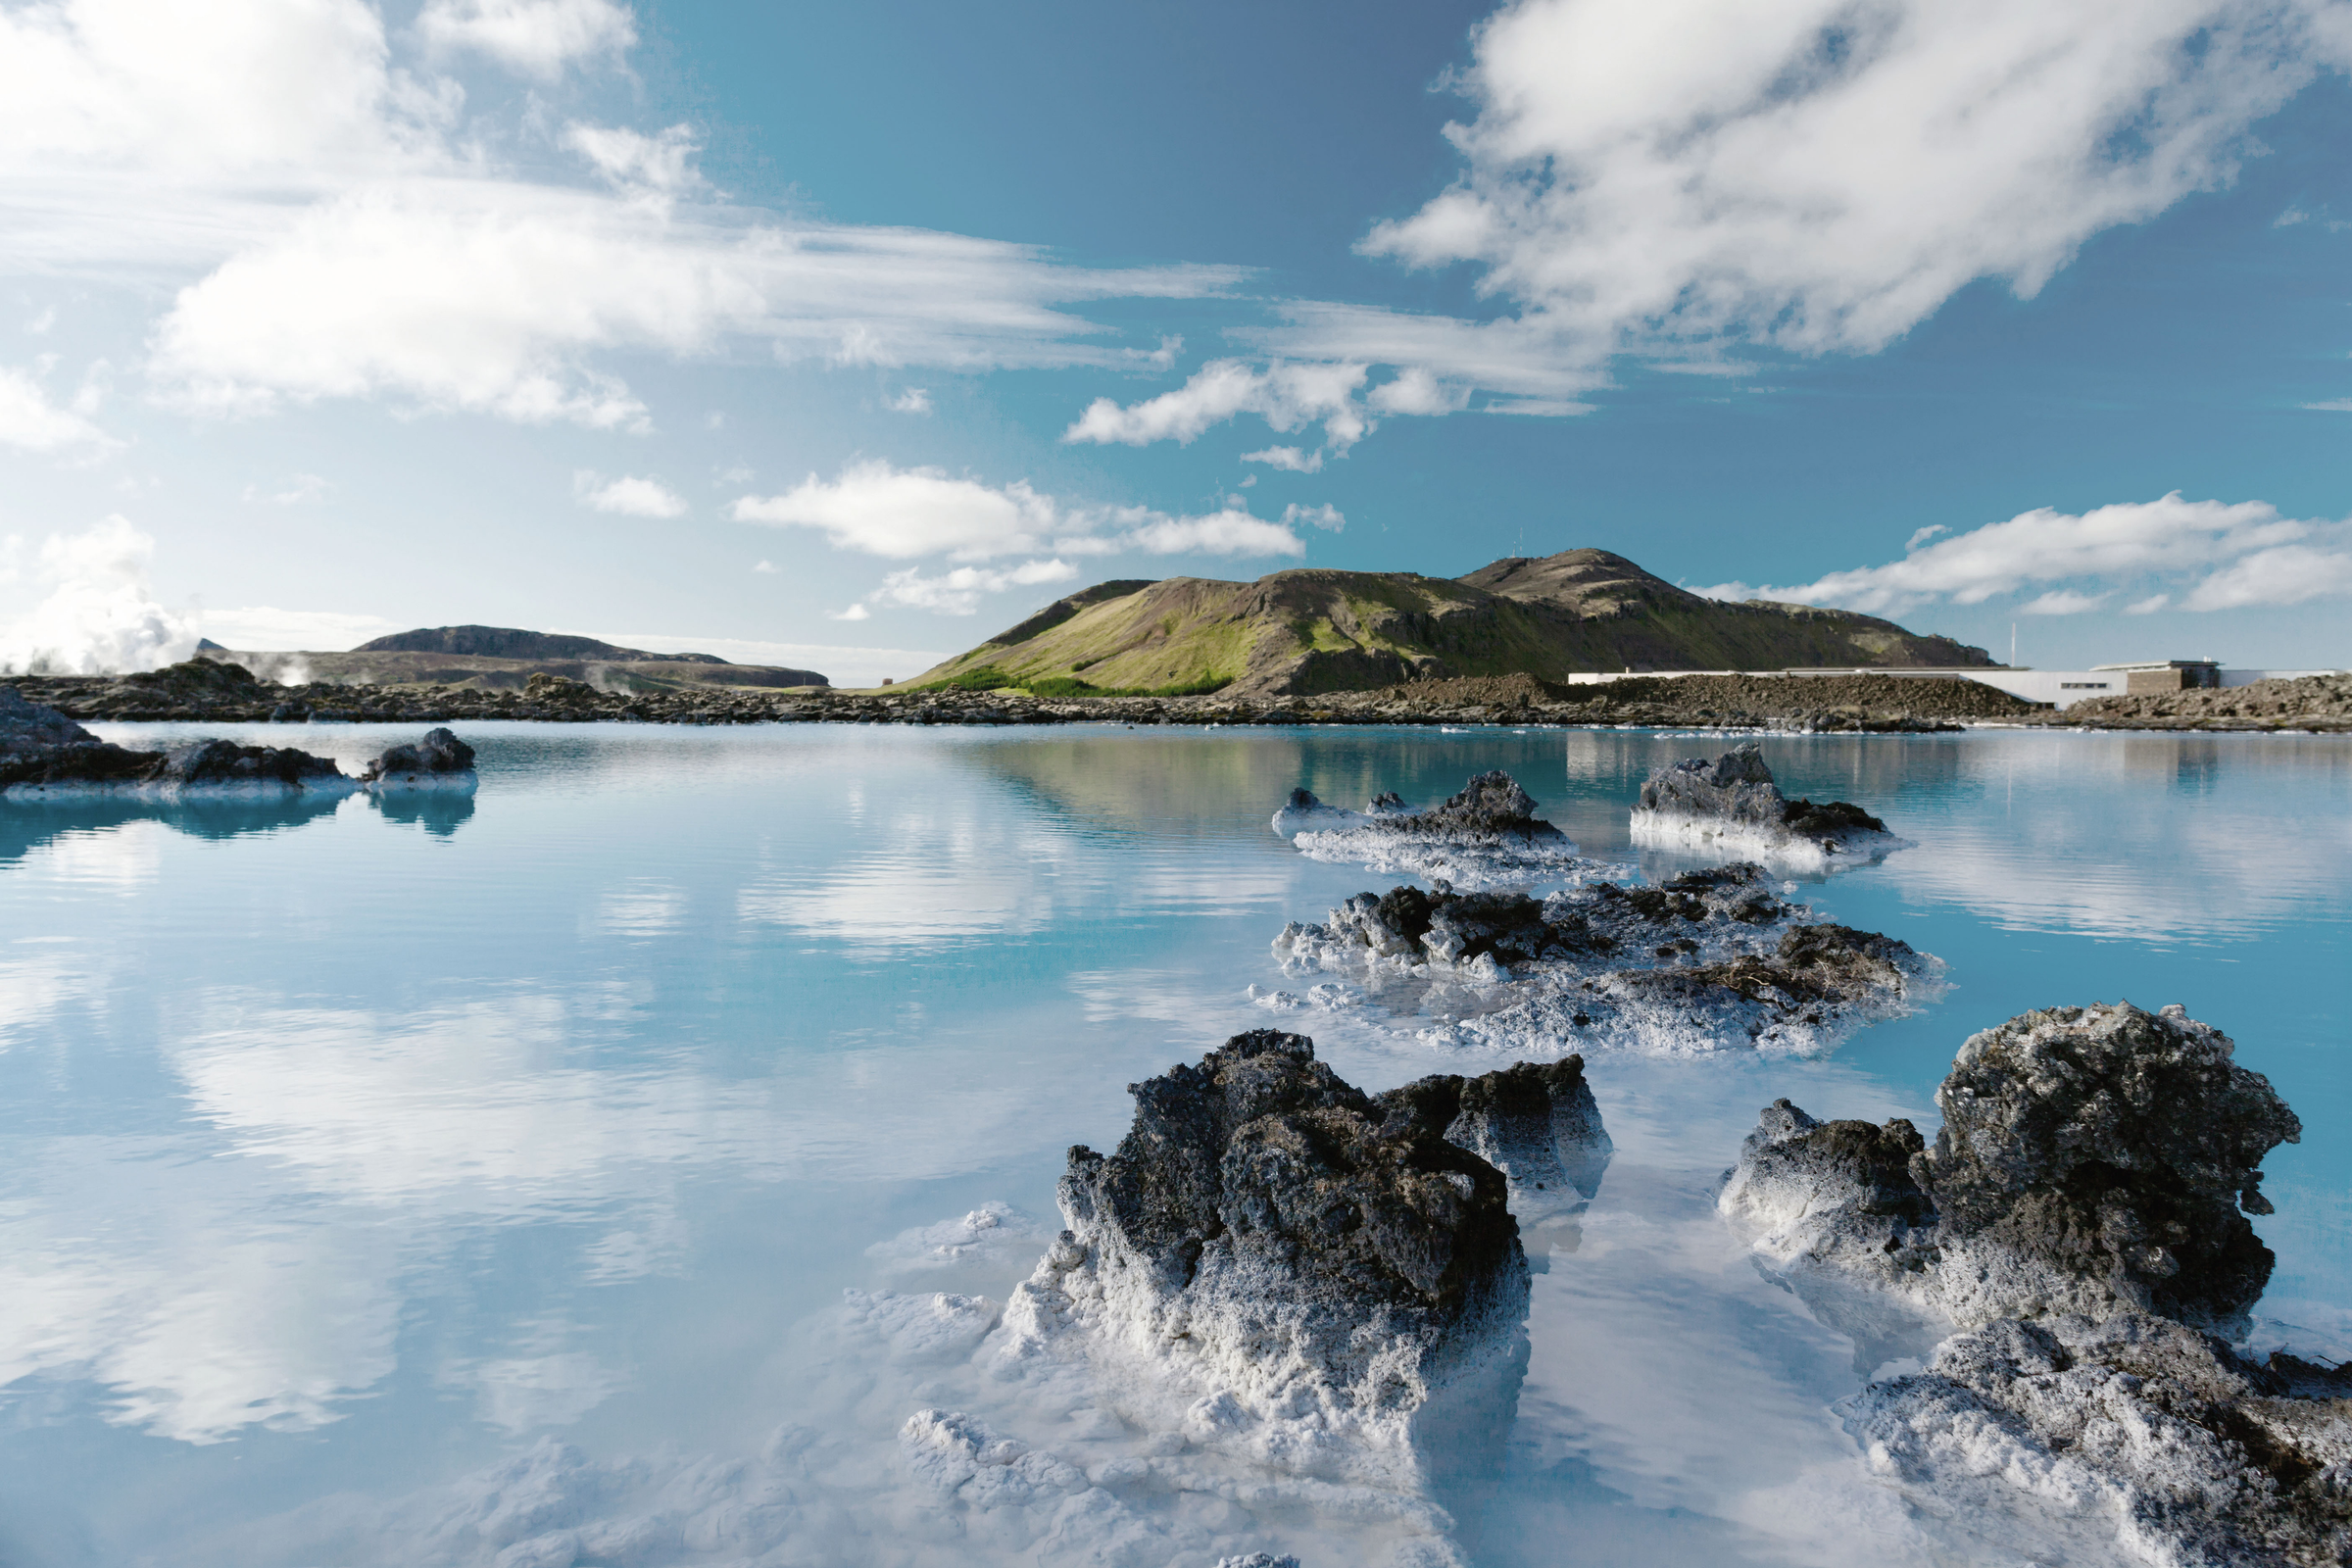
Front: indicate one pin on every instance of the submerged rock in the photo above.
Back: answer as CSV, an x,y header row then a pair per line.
x,y
1486,835
440,761
2078,1218
46,756
1318,1278
1705,960
1733,803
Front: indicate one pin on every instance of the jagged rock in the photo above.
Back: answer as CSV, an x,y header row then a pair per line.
x,y
44,755
1322,1276
2093,1159
1705,960
1488,835
1733,803
1537,1123
440,761
1258,1559
2078,1218
2189,1452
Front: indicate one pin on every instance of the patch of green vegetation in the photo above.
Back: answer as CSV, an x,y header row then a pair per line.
x,y
1065,686
981,678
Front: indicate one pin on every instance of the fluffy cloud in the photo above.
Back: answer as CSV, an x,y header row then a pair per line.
x,y
629,496
99,615
1654,173
914,400
1285,395
30,422
348,237
2226,555
539,37
957,592
904,514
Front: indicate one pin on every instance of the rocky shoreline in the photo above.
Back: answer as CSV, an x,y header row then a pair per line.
x,y
210,692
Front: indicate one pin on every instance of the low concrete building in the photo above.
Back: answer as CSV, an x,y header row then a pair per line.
x,y
2060,688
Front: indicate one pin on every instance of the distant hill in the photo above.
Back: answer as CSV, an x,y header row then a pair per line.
x,y
506,658
512,642
1314,631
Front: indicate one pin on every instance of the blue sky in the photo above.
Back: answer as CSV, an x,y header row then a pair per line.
x,y
847,334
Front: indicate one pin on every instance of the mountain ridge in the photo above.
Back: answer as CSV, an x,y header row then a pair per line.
x,y
1313,629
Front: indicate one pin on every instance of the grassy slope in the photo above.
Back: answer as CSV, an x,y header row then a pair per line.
x,y
1362,629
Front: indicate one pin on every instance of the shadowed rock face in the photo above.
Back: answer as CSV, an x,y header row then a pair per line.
x,y
1536,1122
1263,1152
1489,804
1313,1277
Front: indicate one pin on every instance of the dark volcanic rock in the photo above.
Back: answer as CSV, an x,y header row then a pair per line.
x,y
1313,1267
43,753
1486,835
1536,1122
2079,1217
1491,806
1732,800
439,759
2092,1159
2188,1452
1705,960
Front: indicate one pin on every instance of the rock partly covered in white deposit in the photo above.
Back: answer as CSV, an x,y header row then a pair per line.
x,y
1709,960
1315,1278
46,756
1731,805
2081,1218
439,761
1489,835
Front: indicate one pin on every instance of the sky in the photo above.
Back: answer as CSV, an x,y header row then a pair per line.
x,y
846,335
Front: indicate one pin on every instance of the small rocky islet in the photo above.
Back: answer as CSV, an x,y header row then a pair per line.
x,y
44,755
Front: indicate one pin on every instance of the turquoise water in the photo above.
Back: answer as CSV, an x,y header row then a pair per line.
x,y
481,1183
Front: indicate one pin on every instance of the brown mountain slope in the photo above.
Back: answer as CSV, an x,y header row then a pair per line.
x,y
1318,630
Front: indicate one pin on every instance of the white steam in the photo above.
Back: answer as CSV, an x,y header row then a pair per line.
x,y
100,616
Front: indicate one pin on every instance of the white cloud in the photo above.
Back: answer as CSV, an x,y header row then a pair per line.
x,y
2063,601
2148,606
957,592
30,422
2227,555
1291,458
2288,575
492,297
856,612
662,162
296,489
99,615
629,495
904,514
538,37
1654,173
765,566
914,400
1285,394
265,629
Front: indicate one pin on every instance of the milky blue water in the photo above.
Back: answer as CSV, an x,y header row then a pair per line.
x,y
479,1182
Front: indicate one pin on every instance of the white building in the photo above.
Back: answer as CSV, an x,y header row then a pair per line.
x,y
2061,688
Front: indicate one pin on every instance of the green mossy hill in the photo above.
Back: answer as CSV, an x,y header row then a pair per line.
x,y
1312,630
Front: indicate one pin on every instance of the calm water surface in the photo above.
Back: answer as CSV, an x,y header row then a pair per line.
x,y
482,1182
